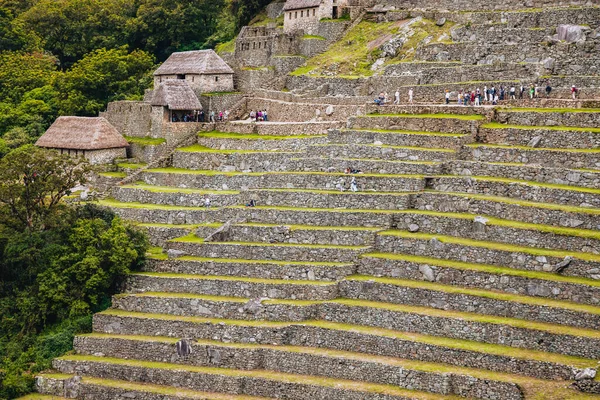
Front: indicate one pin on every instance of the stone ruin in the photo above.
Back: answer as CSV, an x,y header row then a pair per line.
x,y
465,265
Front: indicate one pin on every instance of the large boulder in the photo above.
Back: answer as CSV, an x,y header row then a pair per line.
x,y
571,33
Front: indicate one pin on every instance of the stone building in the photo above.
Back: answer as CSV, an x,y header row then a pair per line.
x,y
93,138
203,70
305,14
172,100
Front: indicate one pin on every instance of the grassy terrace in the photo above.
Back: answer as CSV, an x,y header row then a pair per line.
x,y
431,116
119,175
386,146
253,136
196,148
379,160
407,132
272,376
486,294
345,355
509,147
484,268
171,189
235,173
166,275
195,239
494,245
550,110
263,262
496,125
459,344
145,141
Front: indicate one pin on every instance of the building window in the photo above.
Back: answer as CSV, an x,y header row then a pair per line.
x,y
193,78
295,14
290,15
259,43
216,79
180,76
253,45
314,10
301,13
160,79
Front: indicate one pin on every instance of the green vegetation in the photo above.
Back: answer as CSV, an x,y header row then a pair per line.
x,y
131,166
58,264
313,37
196,148
354,55
146,141
253,136
119,175
226,47
550,110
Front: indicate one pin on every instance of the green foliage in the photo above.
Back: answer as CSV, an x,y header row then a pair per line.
x,y
58,264
103,76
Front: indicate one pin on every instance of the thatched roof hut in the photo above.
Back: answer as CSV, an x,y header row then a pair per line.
x,y
82,133
299,4
177,95
198,62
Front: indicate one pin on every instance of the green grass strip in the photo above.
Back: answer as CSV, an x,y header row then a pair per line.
x,y
510,147
196,148
387,146
484,268
336,192
171,170
262,262
487,294
131,165
407,132
119,175
167,275
171,189
583,233
460,344
145,141
306,209
430,116
525,182
146,206
273,376
522,203
312,227
494,245
189,239
496,125
254,136
181,226
550,110
172,295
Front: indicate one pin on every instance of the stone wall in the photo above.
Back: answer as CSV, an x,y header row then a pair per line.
x,y
219,102
288,112
106,156
482,4
204,83
130,118
306,19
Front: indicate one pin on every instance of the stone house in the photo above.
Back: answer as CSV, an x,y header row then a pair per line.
x,y
305,14
203,70
93,138
172,100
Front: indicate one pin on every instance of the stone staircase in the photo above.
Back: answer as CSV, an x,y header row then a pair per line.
x,y
466,265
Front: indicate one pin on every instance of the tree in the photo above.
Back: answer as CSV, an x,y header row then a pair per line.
x,y
33,181
103,76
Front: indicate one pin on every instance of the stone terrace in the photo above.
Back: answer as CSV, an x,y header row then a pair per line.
x,y
465,265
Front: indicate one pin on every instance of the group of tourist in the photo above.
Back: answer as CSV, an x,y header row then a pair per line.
x,y
259,115
383,98
200,116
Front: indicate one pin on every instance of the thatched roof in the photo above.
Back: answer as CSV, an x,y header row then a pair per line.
x,y
298,4
82,133
194,62
177,95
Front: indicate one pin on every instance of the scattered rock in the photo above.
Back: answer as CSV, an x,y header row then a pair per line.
x,y
436,244
214,356
558,268
442,56
571,33
413,228
441,21
377,143
253,306
427,272
329,110
549,63
588,373
172,253
184,348
535,141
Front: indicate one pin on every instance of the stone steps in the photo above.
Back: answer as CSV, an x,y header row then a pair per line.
x,y
398,138
271,180
530,172
306,360
550,136
263,269
552,157
560,344
580,117
485,252
296,234
174,196
232,160
479,301
230,286
379,152
260,250
365,165
93,388
249,141
224,380
441,122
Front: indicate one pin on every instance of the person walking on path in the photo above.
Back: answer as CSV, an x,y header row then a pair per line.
x,y
340,184
207,202
512,93
447,97
397,97
548,89
353,186
574,92
485,93
410,95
